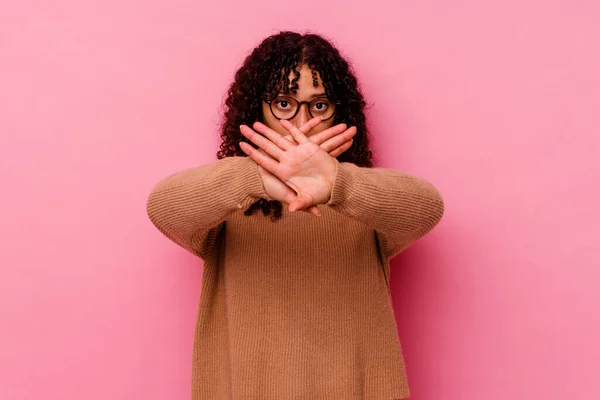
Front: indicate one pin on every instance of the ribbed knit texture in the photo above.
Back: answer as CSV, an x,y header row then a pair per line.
x,y
299,308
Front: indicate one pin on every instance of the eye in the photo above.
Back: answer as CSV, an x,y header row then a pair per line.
x,y
321,105
282,103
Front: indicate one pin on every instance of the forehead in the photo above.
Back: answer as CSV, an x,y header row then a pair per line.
x,y
307,75
309,82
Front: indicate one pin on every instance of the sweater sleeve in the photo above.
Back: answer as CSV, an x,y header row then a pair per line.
x,y
399,207
190,206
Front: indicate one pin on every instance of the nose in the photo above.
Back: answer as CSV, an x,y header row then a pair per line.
x,y
302,117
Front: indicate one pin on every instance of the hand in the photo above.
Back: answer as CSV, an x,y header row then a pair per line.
x,y
275,188
304,166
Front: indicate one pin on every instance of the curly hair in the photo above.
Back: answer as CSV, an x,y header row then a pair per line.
x,y
260,76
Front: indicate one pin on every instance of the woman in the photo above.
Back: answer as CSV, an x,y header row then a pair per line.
x,y
295,305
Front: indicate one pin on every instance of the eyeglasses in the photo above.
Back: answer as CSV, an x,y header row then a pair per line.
x,y
286,107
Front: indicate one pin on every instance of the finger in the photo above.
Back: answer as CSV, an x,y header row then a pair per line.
x,y
268,146
291,198
341,149
273,136
290,138
298,135
261,159
338,140
263,152
304,129
328,133
308,125
314,210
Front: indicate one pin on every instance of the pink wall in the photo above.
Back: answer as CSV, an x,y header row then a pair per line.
x,y
497,103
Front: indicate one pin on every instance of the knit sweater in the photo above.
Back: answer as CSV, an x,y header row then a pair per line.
x,y
298,308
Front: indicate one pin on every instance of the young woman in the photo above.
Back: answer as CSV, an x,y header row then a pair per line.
x,y
295,300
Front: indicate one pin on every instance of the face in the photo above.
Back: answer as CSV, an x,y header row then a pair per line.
x,y
306,92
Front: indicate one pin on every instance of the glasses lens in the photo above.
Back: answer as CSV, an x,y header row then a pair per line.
x,y
284,107
322,107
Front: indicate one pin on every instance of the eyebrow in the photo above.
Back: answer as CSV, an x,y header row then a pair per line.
x,y
312,96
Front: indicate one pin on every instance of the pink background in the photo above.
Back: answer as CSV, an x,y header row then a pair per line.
x,y
497,103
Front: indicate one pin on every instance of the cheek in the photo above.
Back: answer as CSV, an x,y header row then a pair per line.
x,y
266,114
272,122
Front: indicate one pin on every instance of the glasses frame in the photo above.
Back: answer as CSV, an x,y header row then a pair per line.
x,y
300,103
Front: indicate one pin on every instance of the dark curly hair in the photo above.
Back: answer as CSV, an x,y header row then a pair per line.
x,y
260,77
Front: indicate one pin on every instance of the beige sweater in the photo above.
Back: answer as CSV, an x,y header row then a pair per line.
x,y
299,308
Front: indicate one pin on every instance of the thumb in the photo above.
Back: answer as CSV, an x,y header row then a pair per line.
x,y
300,203
294,207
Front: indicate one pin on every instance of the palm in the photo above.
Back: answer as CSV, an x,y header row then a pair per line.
x,y
307,169
302,164
274,187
